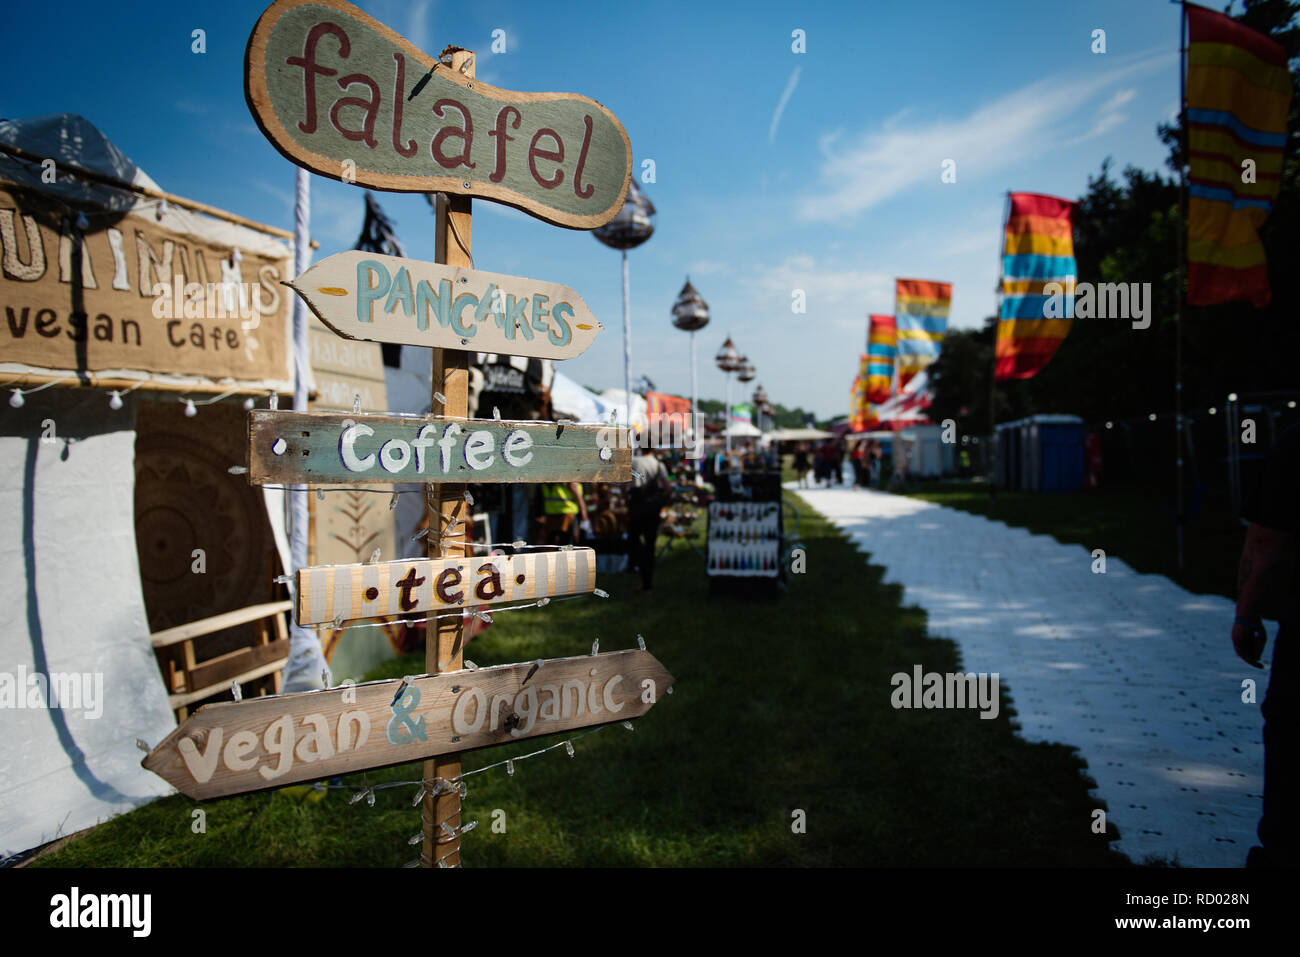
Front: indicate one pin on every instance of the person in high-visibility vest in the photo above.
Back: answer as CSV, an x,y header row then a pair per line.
x,y
562,503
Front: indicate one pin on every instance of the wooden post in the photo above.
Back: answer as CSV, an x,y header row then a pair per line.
x,y
444,645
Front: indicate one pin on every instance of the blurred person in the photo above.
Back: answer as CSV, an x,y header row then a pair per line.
x,y
562,504
650,492
1267,584
801,464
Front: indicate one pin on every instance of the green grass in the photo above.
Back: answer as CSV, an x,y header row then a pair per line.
x,y
779,706
1130,524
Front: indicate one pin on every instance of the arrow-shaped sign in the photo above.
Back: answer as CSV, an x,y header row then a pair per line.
x,y
349,592
363,295
315,447
238,746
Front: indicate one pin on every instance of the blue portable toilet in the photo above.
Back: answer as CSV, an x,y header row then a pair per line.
x,y
1056,449
1043,453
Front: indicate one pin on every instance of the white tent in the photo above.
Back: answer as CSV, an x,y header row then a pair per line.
x,y
796,435
572,400
743,430
79,681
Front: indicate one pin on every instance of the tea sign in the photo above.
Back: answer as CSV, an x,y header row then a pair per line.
x,y
338,92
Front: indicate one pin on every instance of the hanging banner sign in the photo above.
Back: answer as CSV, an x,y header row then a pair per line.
x,y
140,291
288,448
362,295
348,592
234,747
338,92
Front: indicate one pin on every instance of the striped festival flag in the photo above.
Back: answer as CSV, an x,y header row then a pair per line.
x,y
882,350
1238,101
858,404
1038,249
921,308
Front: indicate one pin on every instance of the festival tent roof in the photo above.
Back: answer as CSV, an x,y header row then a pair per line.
x,y
797,435
572,400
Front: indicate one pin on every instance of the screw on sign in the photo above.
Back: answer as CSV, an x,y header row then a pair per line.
x,y
236,747
339,93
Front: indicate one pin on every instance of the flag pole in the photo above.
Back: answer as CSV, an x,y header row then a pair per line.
x,y
993,368
1182,271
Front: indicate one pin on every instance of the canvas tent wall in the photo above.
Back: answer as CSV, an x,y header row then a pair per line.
x,y
100,506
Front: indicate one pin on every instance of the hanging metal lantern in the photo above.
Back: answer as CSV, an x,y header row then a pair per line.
x,y
745,372
690,311
728,359
634,223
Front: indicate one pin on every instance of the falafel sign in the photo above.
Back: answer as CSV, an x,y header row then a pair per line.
x,y
316,447
233,747
362,295
338,92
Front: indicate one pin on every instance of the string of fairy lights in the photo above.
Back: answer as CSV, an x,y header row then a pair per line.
x,y
80,220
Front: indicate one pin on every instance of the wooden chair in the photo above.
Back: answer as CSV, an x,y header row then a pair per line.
x,y
189,680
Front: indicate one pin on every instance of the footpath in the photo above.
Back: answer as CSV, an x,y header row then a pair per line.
x,y
1136,673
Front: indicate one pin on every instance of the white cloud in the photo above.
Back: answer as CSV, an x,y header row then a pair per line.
x,y
846,293
879,164
705,267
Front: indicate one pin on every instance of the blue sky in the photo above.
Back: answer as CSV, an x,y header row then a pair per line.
x,y
774,170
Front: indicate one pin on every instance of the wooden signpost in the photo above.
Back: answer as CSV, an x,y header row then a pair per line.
x,y
363,295
326,447
349,592
338,92
235,747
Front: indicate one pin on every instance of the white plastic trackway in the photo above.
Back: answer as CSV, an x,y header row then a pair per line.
x,y
1131,669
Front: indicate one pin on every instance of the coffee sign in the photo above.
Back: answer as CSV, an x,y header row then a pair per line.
x,y
324,447
363,295
338,92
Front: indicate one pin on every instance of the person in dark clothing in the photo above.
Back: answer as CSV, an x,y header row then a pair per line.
x,y
648,495
1267,585
801,464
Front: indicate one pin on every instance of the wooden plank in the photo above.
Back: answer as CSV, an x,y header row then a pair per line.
x,y
363,295
286,447
236,747
444,645
207,626
179,702
225,668
416,585
400,120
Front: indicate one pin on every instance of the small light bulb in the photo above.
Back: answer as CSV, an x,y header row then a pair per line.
x,y
1232,397
1213,410
115,400
190,410
248,404
16,400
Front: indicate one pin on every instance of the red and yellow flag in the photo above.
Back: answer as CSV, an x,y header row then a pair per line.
x,y
1037,252
1238,101
882,351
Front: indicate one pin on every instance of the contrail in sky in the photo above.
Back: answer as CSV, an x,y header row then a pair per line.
x,y
780,106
